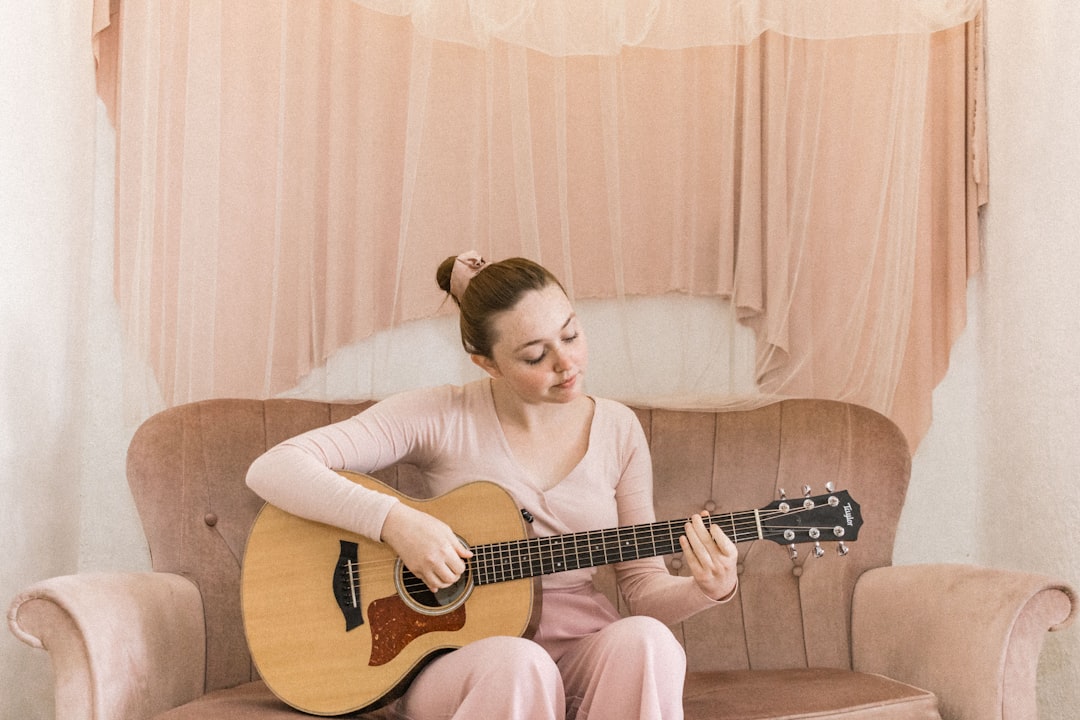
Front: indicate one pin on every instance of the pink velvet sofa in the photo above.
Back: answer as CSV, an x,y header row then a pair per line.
x,y
811,637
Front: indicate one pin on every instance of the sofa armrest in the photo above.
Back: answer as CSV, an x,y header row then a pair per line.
x,y
122,645
971,635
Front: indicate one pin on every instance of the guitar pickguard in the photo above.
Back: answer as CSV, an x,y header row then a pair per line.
x,y
394,625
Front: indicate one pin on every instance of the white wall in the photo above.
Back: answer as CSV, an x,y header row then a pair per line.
x,y
54,431
995,481
1029,361
991,483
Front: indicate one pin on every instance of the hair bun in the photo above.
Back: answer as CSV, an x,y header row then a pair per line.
x,y
443,273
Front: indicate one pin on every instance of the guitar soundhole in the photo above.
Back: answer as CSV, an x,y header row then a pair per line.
x,y
420,598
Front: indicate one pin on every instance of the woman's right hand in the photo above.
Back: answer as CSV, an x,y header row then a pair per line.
x,y
426,545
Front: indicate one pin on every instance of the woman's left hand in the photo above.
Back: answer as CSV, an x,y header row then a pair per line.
x,y
711,556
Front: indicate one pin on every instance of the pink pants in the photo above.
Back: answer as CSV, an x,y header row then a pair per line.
x,y
584,664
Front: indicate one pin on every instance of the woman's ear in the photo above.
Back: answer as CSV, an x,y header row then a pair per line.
x,y
486,364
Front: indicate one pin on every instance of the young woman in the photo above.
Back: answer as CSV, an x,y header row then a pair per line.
x,y
574,461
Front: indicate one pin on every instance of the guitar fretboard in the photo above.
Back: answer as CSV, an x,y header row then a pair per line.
x,y
517,559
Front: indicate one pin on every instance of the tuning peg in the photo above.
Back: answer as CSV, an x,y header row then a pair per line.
x,y
794,552
842,549
830,486
806,491
783,495
818,550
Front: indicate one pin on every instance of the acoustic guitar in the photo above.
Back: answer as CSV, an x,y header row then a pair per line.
x,y
336,623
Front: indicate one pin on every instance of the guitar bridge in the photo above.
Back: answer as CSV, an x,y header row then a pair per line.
x,y
347,585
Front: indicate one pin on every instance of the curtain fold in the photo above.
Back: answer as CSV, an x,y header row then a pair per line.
x,y
290,176
606,27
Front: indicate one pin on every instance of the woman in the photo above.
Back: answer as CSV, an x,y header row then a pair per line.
x,y
574,461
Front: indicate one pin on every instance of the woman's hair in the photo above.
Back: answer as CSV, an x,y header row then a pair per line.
x,y
496,288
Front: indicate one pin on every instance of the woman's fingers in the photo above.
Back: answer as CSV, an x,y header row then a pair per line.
x,y
710,555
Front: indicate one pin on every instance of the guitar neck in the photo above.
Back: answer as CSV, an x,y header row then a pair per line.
x,y
517,559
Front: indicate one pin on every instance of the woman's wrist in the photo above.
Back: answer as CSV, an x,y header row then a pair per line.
x,y
728,596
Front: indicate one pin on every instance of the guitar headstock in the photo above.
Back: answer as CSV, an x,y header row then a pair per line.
x,y
831,517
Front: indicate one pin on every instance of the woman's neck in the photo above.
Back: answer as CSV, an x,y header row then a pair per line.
x,y
539,416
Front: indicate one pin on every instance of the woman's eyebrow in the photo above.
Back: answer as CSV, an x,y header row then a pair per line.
x,y
525,345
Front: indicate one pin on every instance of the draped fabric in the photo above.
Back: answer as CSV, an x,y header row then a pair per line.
x,y
604,27
289,176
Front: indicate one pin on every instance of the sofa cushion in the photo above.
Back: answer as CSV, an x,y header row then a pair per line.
x,y
250,701
804,693
734,695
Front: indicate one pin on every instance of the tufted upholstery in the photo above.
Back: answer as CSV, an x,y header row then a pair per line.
x,y
810,637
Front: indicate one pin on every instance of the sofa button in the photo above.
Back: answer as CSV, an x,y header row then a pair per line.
x,y
210,519
739,568
676,563
711,506
797,571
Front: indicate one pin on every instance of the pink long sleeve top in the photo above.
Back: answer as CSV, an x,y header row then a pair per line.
x,y
453,436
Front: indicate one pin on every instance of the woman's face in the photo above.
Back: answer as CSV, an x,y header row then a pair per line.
x,y
539,349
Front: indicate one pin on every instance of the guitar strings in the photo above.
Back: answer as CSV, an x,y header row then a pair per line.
x,y
611,538
611,543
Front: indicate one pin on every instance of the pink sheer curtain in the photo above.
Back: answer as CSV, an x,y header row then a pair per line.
x,y
289,176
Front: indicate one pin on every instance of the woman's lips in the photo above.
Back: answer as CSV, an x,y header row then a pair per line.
x,y
569,382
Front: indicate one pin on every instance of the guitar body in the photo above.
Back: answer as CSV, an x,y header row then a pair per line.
x,y
335,624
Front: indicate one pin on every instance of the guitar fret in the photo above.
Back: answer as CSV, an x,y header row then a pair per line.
x,y
538,557
499,570
537,547
518,570
625,545
486,566
634,545
513,553
529,553
487,560
640,542
592,559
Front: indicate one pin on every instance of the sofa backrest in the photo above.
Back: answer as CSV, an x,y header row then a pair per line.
x,y
788,613
186,468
